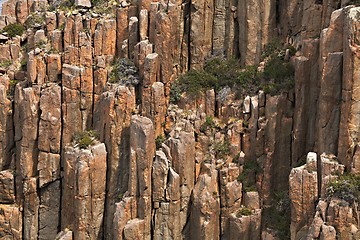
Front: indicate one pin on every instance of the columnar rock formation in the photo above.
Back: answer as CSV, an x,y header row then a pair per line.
x,y
209,167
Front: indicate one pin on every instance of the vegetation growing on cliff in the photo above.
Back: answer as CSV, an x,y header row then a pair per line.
x,y
243,211
276,76
14,29
248,176
346,187
124,71
277,216
85,139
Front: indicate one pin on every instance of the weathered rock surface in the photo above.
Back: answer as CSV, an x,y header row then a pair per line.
x,y
56,80
83,189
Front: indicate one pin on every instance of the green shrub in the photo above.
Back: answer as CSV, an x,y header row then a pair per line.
x,y
159,141
196,81
14,29
23,65
84,139
354,2
277,216
278,75
123,72
225,71
346,187
222,149
35,20
208,124
271,48
5,63
243,211
248,176
11,90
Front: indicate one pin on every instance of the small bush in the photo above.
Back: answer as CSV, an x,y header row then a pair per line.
x,y
222,149
159,141
248,176
244,211
354,2
23,65
346,187
85,139
278,75
194,82
35,20
14,29
11,90
278,215
5,63
208,124
124,72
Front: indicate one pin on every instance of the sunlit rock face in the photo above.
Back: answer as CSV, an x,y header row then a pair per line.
x,y
202,119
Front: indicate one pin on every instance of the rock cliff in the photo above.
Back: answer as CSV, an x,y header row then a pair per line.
x,y
99,139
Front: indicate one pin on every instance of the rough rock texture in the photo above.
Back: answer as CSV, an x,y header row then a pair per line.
x,y
216,153
83,189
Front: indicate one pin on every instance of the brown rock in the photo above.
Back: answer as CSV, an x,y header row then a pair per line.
x,y
6,127
133,35
205,208
327,232
49,210
84,189
349,119
26,120
112,116
10,222
252,200
48,167
122,215
183,161
158,108
329,104
122,30
53,67
244,227
160,169
142,150
135,229
303,192
143,24
31,209
150,71
50,119
7,191
329,169
201,31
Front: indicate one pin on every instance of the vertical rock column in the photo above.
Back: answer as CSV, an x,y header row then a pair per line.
x,y
201,31
142,150
166,199
303,191
26,119
83,197
350,105
182,149
49,161
6,129
112,122
205,208
256,23
230,195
